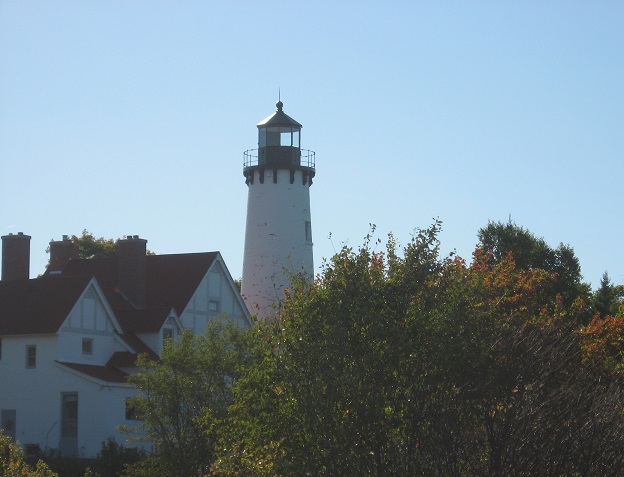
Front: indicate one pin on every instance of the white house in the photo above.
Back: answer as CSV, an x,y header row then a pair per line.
x,y
69,339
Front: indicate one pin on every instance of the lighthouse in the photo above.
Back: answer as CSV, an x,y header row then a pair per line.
x,y
278,234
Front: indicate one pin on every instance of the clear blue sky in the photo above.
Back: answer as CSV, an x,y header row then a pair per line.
x,y
131,117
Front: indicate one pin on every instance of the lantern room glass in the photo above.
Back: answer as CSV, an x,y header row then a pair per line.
x,y
279,136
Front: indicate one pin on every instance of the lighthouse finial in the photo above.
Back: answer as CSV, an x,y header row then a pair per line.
x,y
279,103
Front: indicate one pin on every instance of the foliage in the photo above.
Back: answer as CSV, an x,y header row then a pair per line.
x,y
90,246
13,463
609,298
603,340
402,362
184,398
66,466
113,458
530,252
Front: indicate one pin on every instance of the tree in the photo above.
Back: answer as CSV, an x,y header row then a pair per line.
x,y
13,463
90,246
608,299
531,252
360,375
184,397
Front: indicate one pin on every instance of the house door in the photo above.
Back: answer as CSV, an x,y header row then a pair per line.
x,y
68,444
7,422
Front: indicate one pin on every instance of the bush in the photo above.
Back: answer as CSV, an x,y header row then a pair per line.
x,y
13,462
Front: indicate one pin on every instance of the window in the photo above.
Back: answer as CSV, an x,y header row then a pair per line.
x,y
31,356
87,346
32,450
278,136
285,138
167,335
213,305
308,231
269,137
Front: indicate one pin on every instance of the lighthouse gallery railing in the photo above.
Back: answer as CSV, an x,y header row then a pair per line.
x,y
307,158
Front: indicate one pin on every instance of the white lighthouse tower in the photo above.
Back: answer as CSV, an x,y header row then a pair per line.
x,y
278,236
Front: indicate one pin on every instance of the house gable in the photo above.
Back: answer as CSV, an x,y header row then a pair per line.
x,y
170,329
216,294
92,312
88,335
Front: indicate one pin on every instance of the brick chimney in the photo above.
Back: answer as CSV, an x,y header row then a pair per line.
x,y
16,257
131,269
61,252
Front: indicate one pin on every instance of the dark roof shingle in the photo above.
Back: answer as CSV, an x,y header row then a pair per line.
x,y
38,305
171,281
103,373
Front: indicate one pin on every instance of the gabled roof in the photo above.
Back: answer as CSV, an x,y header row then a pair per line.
x,y
38,306
138,345
122,359
171,282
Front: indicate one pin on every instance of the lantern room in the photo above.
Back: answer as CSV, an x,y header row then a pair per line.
x,y
279,129
279,140
279,147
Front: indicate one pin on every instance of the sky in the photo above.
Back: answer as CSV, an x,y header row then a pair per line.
x,y
130,117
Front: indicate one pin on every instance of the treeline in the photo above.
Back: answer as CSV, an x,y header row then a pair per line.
x,y
397,361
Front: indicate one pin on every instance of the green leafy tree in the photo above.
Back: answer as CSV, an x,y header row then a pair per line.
x,y
358,375
91,247
183,399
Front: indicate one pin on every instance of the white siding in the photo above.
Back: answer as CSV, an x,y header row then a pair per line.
x,y
88,319
216,295
35,394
